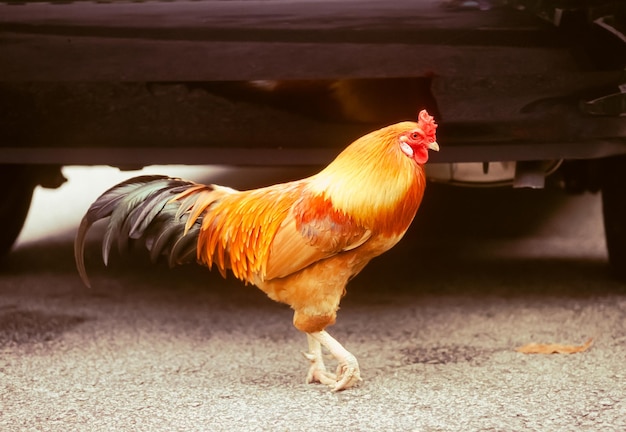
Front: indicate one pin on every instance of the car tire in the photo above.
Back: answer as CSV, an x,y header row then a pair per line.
x,y
614,212
14,203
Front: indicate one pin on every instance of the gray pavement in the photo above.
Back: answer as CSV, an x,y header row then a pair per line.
x,y
434,324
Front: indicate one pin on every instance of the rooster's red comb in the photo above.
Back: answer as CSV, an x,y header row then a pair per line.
x,y
427,124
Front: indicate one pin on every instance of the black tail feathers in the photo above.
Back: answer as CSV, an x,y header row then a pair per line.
x,y
141,208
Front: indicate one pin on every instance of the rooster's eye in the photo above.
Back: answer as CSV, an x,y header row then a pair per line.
x,y
416,135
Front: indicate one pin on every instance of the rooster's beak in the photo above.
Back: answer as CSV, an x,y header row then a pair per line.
x,y
433,146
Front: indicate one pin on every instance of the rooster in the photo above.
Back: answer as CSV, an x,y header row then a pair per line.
x,y
300,242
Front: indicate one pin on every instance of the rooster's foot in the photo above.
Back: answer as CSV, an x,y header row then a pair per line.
x,y
317,371
348,372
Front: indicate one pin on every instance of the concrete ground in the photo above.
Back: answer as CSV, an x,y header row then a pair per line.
x,y
434,324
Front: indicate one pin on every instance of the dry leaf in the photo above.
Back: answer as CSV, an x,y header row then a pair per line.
x,y
535,348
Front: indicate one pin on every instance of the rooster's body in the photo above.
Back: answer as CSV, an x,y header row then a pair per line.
x,y
300,242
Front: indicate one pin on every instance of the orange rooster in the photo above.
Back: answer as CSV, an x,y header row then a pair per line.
x,y
300,242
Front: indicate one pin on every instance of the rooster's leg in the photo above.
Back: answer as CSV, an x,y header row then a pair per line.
x,y
317,371
348,373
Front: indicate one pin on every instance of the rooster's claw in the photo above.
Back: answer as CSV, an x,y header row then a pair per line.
x,y
348,372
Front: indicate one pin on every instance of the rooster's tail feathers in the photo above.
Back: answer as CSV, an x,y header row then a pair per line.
x,y
143,208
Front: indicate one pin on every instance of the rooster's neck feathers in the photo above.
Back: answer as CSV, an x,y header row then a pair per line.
x,y
374,181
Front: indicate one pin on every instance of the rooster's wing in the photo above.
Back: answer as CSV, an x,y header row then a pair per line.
x,y
314,230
